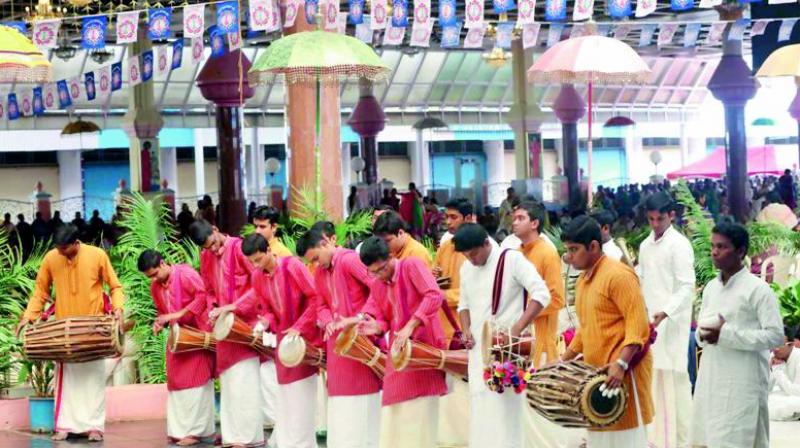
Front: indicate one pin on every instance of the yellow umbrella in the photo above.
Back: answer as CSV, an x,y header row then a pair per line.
x,y
784,61
20,60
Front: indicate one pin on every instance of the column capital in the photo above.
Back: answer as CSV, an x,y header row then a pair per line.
x,y
219,79
569,106
732,82
367,118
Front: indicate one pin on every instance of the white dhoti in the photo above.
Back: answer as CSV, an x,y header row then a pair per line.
x,y
80,397
629,438
190,412
672,396
454,415
410,424
269,391
354,421
241,417
538,431
322,403
496,419
297,403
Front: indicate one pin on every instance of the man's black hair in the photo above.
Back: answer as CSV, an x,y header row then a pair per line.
x,y
326,227
469,236
582,230
735,233
463,206
535,211
254,243
149,259
660,202
373,250
389,223
200,231
311,239
65,235
267,213
603,217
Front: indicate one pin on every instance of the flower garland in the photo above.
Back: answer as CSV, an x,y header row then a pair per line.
x,y
500,376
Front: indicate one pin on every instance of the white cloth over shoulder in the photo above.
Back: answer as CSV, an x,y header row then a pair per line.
x,y
784,401
190,412
80,397
730,401
612,251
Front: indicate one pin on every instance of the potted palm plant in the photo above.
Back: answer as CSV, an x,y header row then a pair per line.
x,y
40,375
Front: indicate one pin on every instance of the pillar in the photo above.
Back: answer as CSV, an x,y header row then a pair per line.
x,y
496,182
42,200
142,123
368,120
70,181
569,108
199,166
168,165
733,84
420,159
346,178
794,111
633,156
221,83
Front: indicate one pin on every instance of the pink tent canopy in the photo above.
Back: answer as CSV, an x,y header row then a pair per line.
x,y
760,160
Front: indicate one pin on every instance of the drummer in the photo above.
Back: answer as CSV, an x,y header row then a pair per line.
x,y
284,291
394,231
180,298
226,273
404,302
496,418
354,401
613,330
78,273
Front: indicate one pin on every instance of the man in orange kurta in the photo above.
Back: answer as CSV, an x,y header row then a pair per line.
x,y
265,220
391,228
77,273
614,328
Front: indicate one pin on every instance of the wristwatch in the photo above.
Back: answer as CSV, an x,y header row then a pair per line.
x,y
360,316
622,363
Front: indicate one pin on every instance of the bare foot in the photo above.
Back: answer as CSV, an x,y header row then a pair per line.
x,y
59,436
95,436
187,441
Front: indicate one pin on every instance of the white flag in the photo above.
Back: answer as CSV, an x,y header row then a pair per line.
x,y
781,2
161,56
645,7
127,27
474,37
292,9
364,32
709,3
26,103
666,32
422,13
134,72
393,36
50,96
582,10
530,34
421,34
378,15
526,11
45,33
715,32
622,31
331,10
75,85
194,20
275,23
103,82
759,26
197,50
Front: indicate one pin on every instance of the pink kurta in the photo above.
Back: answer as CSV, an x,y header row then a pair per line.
x,y
287,299
413,292
185,289
227,278
343,290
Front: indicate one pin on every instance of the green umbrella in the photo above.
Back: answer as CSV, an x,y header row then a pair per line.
x,y
317,57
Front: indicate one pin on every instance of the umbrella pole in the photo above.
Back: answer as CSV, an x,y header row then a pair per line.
x,y
317,155
589,152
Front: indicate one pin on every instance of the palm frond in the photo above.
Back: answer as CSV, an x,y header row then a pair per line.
x,y
767,235
354,227
553,233
698,231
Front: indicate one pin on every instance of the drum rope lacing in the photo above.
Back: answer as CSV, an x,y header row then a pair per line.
x,y
375,358
206,339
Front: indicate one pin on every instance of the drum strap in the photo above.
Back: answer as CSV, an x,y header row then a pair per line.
x,y
497,288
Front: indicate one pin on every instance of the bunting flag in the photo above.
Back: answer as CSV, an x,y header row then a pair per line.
x,y
331,13
64,100
45,33
234,41
501,6
74,88
260,15
785,31
645,7
88,82
422,12
738,28
103,83
582,10
530,34
159,24
619,9
197,50
310,9
681,5
292,7
356,12
217,40
378,15
341,25
20,26
26,106
228,17
666,32
622,31
421,34
447,12
526,10
759,26
504,34
162,60
691,34
2,111
578,30
554,34
116,76
127,27
134,72
715,32
194,18
646,38
177,54
393,35
781,2
147,65
473,13
603,29
364,31
275,24
38,102
451,36
555,10
13,109
709,3
399,13
474,38
93,32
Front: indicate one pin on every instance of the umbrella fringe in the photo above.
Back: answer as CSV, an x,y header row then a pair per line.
x,y
570,77
325,75
27,75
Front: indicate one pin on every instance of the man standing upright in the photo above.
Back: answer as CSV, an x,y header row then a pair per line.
x,y
265,220
666,270
77,273
394,231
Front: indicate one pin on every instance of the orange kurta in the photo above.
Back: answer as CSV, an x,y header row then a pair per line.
x,y
278,248
414,248
450,261
612,315
78,284
548,264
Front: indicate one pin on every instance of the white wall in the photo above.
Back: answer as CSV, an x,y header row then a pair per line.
x,y
19,183
186,179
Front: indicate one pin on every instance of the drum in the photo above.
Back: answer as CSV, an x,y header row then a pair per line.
x,y
184,339
74,339
498,345
418,356
293,351
568,394
231,328
349,344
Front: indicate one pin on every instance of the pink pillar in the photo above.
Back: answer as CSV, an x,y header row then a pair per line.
x,y
42,199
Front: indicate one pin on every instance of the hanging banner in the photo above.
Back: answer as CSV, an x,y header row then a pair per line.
x,y
234,41
26,104
422,13
50,96
709,3
177,54
88,83
93,32
228,17
341,24
474,38
134,71
45,33
194,19
554,34
38,102
356,12
399,13
197,50
103,83
691,34
260,17
161,61
715,32
421,35
75,88
217,40
13,108
526,11
646,38
619,9
622,31
330,13
275,24
645,7
504,34
681,5
447,12
578,30
785,31
666,32
738,28
555,10
116,76
377,13
501,6
451,36
292,8
393,35
530,34
20,26
582,10
159,23
310,9
364,32
473,14
147,65
127,27
64,99
759,26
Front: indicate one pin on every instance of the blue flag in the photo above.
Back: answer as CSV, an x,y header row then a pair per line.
x,y
20,26
555,10
399,13
505,31
228,17
88,81
356,15
38,102
311,11
13,107
93,32
177,54
451,36
158,27
646,38
682,5
501,6
116,76
216,39
619,9
64,98
147,65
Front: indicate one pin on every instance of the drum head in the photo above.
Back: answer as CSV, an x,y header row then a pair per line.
x,y
223,325
486,343
291,351
174,337
400,358
600,410
345,340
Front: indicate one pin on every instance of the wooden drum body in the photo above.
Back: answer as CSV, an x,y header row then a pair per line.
x,y
74,339
497,344
183,338
231,328
293,351
568,394
418,356
349,344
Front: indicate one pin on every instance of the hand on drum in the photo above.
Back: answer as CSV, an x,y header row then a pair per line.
x,y
20,325
291,333
401,337
216,312
157,326
330,329
369,326
613,385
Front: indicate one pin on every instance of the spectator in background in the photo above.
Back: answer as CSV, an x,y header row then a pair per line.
x,y
394,201
786,188
411,209
251,209
185,219
352,200
96,226
80,223
40,228
386,199
24,234
7,226
209,212
198,214
506,209
55,222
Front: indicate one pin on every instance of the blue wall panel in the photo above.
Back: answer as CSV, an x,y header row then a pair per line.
x,y
100,181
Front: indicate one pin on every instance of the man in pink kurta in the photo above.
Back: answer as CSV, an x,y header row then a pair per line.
x,y
286,296
342,283
404,302
226,273
180,299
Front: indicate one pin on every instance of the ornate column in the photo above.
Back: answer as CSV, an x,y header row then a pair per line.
x,y
168,165
221,83
569,107
368,120
733,84
495,172
199,166
70,181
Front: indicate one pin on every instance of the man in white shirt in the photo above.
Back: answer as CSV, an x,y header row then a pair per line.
x,y
606,218
738,324
666,269
784,398
496,419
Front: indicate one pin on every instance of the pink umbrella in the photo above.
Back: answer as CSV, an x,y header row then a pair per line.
x,y
590,60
